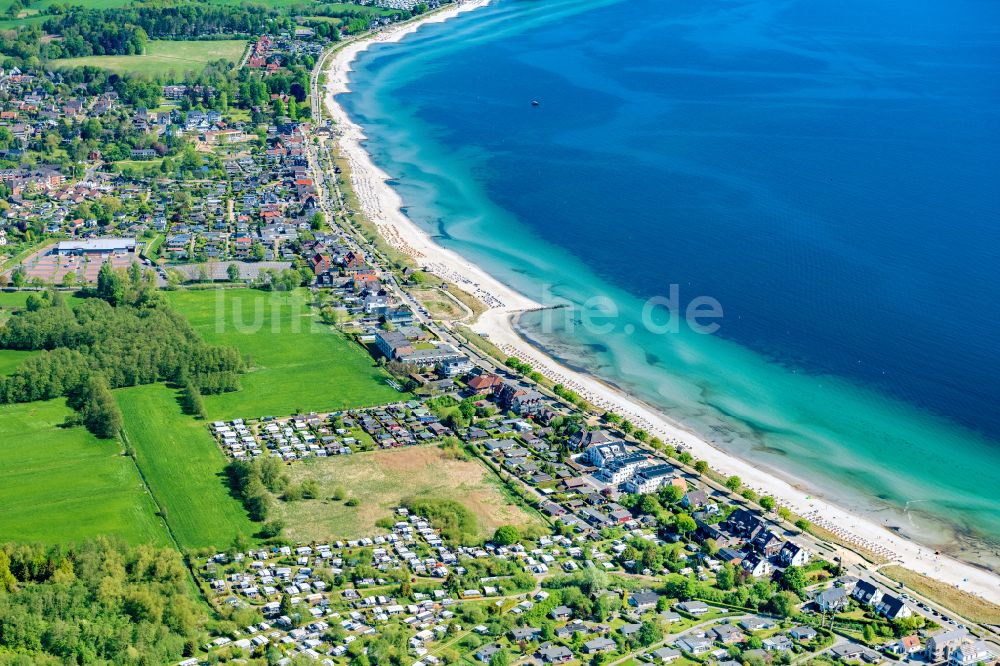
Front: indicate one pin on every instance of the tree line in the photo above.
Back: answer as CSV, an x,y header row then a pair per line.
x,y
95,346
130,345
97,602
254,481
125,30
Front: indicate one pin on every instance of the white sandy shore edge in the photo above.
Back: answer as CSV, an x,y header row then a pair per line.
x,y
382,206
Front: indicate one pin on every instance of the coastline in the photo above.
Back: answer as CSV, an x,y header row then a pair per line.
x,y
382,205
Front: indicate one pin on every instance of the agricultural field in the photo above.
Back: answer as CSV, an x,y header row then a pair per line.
x,y
297,363
165,56
381,480
184,468
60,485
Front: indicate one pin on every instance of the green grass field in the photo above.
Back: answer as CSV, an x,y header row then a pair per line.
x,y
297,363
13,300
164,57
63,485
184,468
10,359
382,479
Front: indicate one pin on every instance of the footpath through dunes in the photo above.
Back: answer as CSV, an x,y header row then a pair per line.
x,y
63,485
297,363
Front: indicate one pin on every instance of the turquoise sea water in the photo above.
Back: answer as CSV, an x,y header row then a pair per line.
x,y
828,174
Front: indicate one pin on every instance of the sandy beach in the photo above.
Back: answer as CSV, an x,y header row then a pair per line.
x,y
381,204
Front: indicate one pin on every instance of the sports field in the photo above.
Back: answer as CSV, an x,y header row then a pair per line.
x,y
380,480
164,57
60,485
184,468
297,363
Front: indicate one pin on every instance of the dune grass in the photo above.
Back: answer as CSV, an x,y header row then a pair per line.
x,y
967,605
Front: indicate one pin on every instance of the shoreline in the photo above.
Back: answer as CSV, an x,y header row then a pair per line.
x,y
382,205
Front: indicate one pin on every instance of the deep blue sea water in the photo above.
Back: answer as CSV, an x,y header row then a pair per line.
x,y
828,172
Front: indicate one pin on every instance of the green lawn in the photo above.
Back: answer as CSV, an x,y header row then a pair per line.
x,y
164,56
151,250
297,363
184,468
10,359
64,485
13,300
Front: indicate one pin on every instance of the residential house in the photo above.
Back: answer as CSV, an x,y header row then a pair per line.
x,y
756,565
561,613
943,643
866,592
518,399
665,655
831,600
643,600
550,653
778,643
757,624
696,608
767,542
743,523
596,645
972,652
906,645
320,264
486,652
802,633
727,634
793,555
585,439
694,499
484,383
524,634
893,608
695,644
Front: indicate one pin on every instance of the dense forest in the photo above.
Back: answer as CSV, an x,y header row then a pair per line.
x,y
124,30
86,31
129,345
126,336
98,602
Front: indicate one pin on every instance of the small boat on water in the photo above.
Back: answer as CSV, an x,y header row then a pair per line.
x,y
535,102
